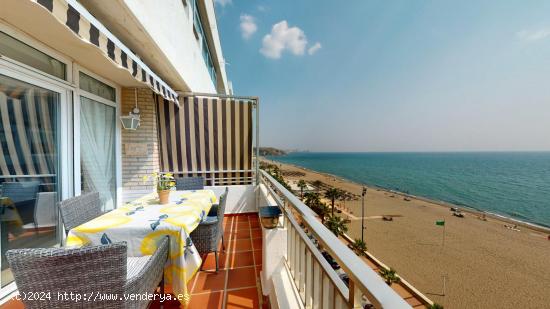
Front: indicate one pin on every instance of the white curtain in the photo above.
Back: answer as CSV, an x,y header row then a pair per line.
x,y
97,150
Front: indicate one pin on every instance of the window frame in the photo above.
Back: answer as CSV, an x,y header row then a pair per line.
x,y
118,129
19,35
69,113
65,174
200,35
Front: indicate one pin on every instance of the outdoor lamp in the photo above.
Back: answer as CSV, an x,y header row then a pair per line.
x,y
131,122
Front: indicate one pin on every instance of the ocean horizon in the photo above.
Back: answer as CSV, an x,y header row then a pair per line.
x,y
513,184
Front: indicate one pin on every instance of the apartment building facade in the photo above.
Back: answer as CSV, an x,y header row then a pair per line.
x,y
70,71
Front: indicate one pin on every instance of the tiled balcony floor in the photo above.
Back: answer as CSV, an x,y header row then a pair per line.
x,y
237,283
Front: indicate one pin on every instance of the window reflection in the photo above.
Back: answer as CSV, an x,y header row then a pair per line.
x,y
31,56
29,119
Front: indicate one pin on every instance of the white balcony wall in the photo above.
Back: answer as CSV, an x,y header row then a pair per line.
x,y
240,198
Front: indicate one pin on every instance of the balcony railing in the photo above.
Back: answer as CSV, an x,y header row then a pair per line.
x,y
221,177
318,285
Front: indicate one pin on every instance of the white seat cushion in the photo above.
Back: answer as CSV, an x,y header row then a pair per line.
x,y
135,264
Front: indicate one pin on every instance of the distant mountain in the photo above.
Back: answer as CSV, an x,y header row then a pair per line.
x,y
270,151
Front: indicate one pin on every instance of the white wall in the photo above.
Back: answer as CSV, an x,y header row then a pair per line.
x,y
170,25
240,199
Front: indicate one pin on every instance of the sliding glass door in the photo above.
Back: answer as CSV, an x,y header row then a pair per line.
x,y
98,140
29,167
97,150
56,141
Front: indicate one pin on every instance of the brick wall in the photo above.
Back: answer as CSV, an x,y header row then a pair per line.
x,y
143,159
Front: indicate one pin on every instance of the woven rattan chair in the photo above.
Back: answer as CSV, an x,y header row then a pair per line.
x,y
190,183
92,273
207,235
80,209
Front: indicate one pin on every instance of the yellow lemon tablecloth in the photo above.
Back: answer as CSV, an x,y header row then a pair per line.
x,y
143,223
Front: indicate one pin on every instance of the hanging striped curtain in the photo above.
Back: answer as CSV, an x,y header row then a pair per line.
x,y
209,137
27,126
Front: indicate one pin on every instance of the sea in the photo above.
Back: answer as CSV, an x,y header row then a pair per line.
x,y
510,184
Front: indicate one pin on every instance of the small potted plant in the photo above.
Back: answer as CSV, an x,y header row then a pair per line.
x,y
164,182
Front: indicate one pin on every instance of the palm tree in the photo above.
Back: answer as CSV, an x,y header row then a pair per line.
x,y
389,275
321,210
359,247
302,185
313,201
332,194
317,184
337,225
276,173
435,306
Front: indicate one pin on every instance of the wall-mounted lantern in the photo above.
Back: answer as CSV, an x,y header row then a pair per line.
x,y
131,122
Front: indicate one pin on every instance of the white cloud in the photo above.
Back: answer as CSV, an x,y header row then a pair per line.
x,y
262,8
223,2
313,49
248,26
533,35
283,38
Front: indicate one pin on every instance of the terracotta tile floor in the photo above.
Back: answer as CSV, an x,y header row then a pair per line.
x,y
237,283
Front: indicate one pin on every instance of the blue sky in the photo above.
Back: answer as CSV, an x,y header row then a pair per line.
x,y
393,75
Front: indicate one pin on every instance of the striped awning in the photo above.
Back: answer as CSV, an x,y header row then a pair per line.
x,y
209,137
89,30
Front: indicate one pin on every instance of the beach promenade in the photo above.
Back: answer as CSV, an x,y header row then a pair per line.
x,y
483,263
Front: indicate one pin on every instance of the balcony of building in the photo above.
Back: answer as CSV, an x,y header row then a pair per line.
x,y
298,264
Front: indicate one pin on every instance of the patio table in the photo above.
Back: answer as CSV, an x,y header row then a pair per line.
x,y
144,222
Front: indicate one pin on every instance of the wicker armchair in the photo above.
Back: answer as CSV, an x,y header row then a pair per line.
x,y
190,183
90,272
80,209
207,235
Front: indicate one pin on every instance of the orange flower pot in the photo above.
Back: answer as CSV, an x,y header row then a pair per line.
x,y
164,196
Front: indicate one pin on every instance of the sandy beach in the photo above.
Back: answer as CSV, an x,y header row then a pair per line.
x,y
485,264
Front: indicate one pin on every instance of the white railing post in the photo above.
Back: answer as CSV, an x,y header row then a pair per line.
x,y
296,257
317,285
291,250
328,293
309,281
302,278
355,296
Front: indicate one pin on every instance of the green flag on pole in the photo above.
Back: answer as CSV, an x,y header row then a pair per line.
x,y
440,222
